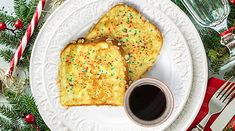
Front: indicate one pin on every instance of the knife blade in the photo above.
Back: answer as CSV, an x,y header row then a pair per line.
x,y
225,116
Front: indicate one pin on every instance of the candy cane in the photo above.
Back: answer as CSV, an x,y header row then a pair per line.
x,y
26,38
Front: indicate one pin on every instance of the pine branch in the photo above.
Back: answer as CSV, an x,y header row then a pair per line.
x,y
15,102
9,113
10,20
6,54
32,6
26,127
24,104
21,9
28,101
6,124
9,39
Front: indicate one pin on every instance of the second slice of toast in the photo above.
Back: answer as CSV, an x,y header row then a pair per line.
x,y
140,39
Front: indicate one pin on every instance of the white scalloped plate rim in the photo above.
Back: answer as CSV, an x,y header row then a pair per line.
x,y
204,68
181,41
200,64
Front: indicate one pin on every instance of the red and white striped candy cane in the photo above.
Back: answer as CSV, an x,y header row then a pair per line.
x,y
26,38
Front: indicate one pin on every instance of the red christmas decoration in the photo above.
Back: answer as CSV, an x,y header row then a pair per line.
x,y
18,24
29,119
234,126
3,26
232,1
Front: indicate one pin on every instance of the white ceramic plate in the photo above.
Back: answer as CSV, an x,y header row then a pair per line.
x,y
174,57
46,108
200,65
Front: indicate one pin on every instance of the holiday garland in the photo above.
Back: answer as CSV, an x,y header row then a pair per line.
x,y
22,114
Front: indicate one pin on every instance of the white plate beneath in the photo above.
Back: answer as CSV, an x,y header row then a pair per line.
x,y
174,56
55,116
200,65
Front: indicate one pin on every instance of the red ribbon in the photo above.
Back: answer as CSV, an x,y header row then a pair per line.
x,y
227,31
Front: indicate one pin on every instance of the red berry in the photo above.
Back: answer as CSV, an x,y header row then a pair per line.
x,y
232,1
18,24
29,119
3,26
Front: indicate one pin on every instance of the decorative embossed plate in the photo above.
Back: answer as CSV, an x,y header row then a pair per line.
x,y
76,19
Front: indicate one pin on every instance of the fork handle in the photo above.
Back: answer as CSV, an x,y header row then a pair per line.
x,y
203,122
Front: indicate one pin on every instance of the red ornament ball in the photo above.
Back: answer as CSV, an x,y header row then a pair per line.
x,y
29,119
232,1
3,26
18,24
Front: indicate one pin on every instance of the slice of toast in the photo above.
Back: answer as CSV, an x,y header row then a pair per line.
x,y
140,39
92,73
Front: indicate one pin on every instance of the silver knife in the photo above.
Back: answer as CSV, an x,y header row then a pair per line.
x,y
225,116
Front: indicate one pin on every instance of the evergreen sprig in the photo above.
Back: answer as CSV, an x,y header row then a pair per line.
x,y
8,19
8,39
6,54
23,10
6,124
20,106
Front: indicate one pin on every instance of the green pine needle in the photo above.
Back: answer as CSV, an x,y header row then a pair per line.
x,y
8,19
8,39
7,124
32,6
22,104
6,54
21,9
9,113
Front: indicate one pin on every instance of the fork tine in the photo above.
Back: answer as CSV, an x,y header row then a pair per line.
x,y
229,93
222,87
230,96
225,91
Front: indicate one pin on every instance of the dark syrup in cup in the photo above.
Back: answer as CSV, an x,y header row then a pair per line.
x,y
147,102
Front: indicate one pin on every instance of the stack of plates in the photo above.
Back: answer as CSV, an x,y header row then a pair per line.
x,y
182,65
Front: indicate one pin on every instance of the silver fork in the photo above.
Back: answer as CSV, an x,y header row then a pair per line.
x,y
218,101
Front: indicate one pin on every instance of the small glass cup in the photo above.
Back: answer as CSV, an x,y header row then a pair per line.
x,y
214,14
